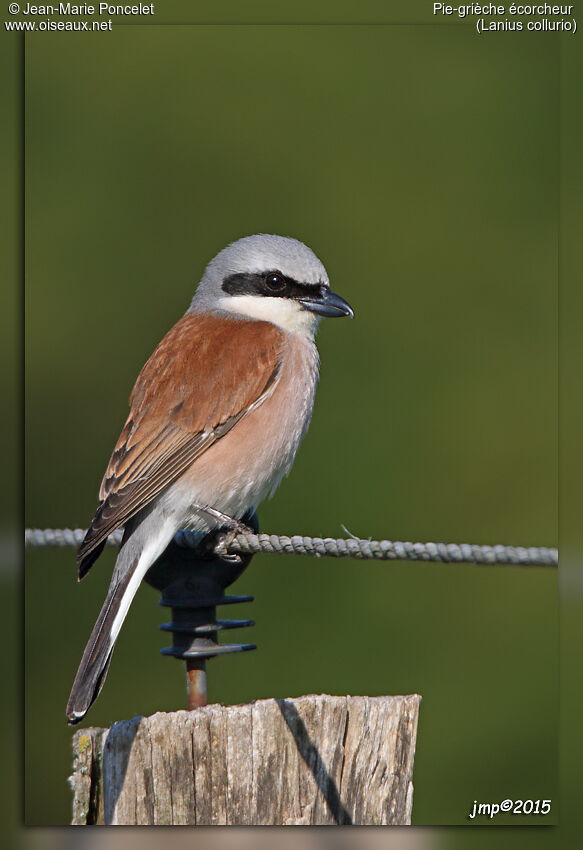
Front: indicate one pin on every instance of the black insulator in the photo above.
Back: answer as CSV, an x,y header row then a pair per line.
x,y
193,584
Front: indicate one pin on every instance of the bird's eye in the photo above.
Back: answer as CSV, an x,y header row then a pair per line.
x,y
274,282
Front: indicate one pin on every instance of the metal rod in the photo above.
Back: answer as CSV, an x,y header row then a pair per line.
x,y
196,683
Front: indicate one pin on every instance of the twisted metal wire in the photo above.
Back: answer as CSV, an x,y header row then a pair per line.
x,y
317,547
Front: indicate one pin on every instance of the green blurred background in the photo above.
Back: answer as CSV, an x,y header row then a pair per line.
x,y
420,163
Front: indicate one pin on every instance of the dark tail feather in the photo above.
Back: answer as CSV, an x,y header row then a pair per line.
x,y
97,656
102,524
85,562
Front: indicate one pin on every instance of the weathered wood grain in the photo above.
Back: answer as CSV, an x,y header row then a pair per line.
x,y
308,760
86,780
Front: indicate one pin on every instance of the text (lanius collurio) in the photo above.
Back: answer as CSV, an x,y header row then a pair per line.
x,y
517,17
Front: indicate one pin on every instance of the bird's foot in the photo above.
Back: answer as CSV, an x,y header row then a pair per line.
x,y
218,541
223,540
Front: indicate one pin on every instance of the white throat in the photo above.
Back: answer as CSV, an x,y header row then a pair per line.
x,y
283,312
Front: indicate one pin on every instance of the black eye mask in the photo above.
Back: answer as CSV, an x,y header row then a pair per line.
x,y
273,284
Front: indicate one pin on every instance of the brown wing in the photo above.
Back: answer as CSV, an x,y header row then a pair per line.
x,y
201,379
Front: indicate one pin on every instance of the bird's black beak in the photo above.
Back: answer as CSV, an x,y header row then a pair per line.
x,y
327,303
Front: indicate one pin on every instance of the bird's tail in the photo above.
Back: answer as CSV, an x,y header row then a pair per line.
x,y
132,564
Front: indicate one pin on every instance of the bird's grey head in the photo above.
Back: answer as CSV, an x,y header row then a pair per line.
x,y
270,278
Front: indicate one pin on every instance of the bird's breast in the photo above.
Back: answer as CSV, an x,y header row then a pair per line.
x,y
248,463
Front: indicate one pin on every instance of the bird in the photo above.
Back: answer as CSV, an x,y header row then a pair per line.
x,y
216,417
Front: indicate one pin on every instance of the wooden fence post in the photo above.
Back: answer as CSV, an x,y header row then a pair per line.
x,y
307,760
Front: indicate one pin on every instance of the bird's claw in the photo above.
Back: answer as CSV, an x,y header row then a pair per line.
x,y
224,538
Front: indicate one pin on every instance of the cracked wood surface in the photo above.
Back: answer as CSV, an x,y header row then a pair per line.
x,y
306,760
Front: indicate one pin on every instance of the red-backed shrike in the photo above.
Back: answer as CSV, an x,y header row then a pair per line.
x,y
217,415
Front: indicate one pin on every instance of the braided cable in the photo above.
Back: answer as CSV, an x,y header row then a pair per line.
x,y
318,547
